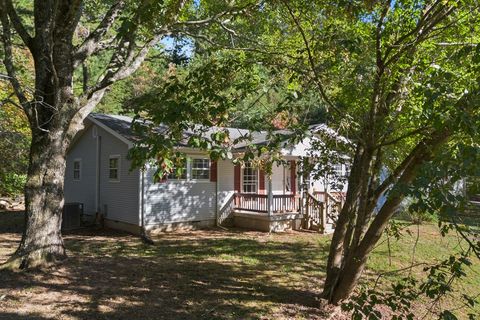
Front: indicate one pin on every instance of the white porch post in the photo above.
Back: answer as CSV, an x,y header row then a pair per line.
x,y
270,196
300,185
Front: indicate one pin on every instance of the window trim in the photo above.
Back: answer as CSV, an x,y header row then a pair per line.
x,y
257,180
190,169
79,160
119,158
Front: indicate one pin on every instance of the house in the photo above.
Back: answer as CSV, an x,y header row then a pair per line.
x,y
99,176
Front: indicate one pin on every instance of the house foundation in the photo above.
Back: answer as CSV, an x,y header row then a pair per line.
x,y
278,222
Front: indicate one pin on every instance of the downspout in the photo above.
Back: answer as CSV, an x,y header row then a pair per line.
x,y
97,173
216,198
142,201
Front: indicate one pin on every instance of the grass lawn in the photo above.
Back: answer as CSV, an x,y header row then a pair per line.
x,y
210,274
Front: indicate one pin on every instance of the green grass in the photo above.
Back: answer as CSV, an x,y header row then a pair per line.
x,y
431,248
212,274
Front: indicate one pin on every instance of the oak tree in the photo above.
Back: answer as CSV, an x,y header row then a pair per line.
x,y
66,39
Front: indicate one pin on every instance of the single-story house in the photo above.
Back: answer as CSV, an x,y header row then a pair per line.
x,y
100,177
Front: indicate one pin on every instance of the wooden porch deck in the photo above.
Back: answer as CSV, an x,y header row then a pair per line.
x,y
279,212
259,203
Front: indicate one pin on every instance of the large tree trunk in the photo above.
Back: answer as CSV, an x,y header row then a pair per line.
x,y
348,258
42,242
55,111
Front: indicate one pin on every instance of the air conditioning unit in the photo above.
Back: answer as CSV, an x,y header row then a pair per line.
x,y
72,215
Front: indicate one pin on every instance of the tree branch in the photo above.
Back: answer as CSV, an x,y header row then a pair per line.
x,y
403,136
317,77
93,42
8,56
8,100
422,153
17,23
425,24
125,69
215,18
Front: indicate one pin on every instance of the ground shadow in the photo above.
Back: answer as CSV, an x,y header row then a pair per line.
x,y
12,221
196,275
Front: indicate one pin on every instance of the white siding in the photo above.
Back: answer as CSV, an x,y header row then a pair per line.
x,y
175,201
319,184
225,181
119,198
277,179
82,191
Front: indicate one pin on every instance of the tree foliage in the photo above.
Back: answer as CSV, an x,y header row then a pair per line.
x,y
79,49
14,145
399,79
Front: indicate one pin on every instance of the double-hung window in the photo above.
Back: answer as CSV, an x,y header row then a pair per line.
x,y
338,170
114,168
77,169
250,178
193,169
200,169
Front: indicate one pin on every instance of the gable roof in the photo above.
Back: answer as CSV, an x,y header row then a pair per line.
x,y
120,126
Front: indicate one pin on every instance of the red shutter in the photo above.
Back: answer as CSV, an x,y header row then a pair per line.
x,y
293,176
236,178
261,182
213,171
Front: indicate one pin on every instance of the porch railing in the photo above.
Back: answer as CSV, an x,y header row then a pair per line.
x,y
281,203
314,213
226,210
322,210
333,202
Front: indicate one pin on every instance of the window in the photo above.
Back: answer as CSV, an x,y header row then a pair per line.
x,y
250,178
174,174
347,171
337,169
200,169
77,167
113,168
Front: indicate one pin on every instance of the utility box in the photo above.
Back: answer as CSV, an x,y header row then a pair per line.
x,y
72,216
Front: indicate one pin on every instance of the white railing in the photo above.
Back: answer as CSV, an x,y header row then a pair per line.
x,y
227,209
281,203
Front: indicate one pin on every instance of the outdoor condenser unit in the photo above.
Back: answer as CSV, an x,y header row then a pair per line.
x,y
72,214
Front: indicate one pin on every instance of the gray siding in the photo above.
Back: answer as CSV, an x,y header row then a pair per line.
x,y
119,198
82,191
178,201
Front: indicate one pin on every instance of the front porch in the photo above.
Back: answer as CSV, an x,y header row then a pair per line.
x,y
279,212
269,213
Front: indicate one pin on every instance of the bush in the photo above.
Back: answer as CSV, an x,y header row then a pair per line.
x,y
12,184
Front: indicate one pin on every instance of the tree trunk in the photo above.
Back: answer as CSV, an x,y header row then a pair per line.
x,y
42,242
340,284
